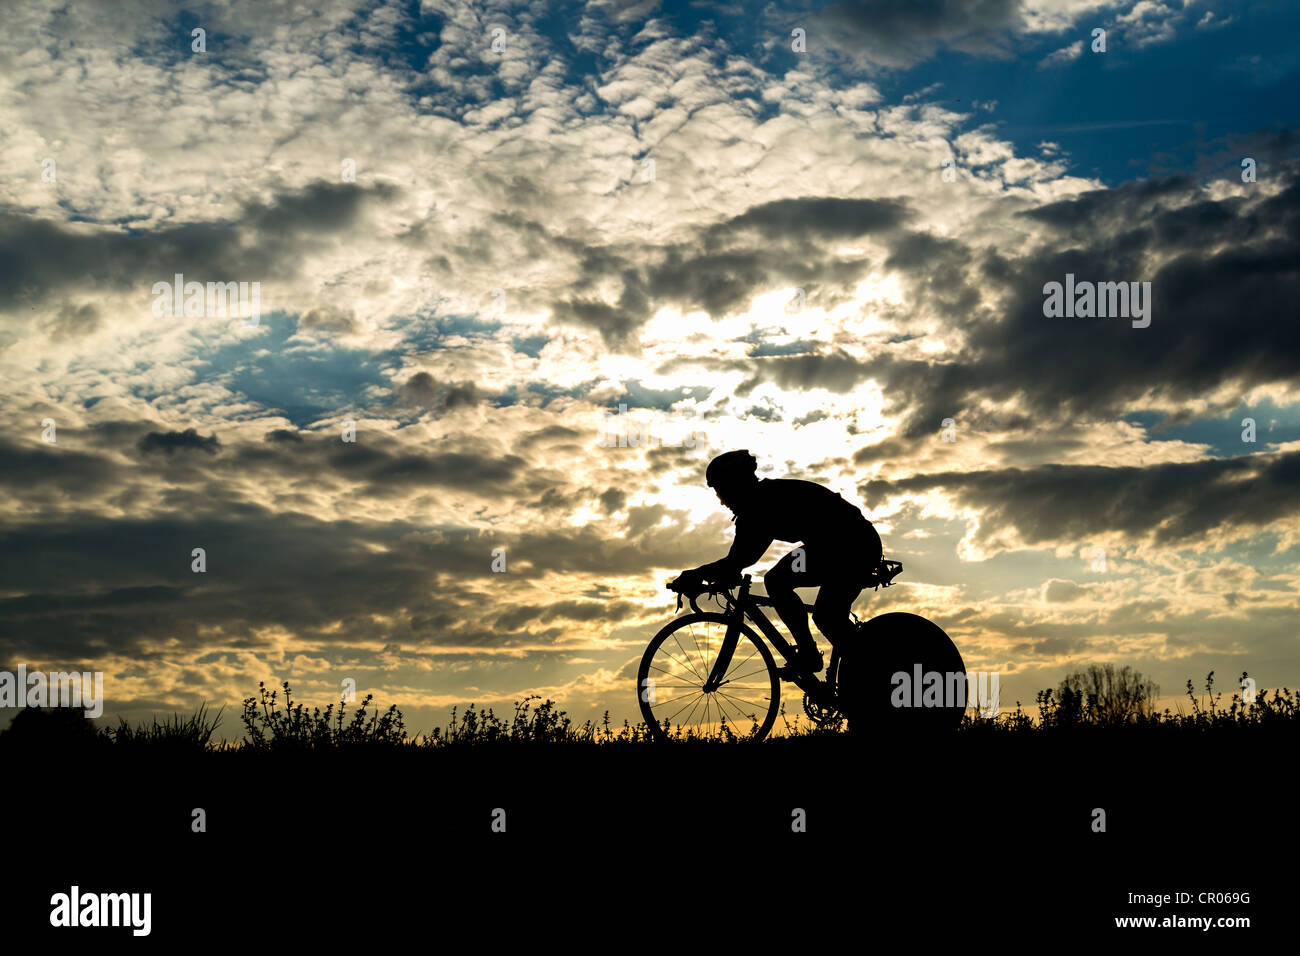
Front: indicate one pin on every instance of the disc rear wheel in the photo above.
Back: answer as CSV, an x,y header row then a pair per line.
x,y
903,673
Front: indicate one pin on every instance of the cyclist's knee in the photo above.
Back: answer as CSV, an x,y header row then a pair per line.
x,y
778,582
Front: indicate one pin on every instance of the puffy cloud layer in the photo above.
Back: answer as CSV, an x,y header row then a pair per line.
x,y
747,249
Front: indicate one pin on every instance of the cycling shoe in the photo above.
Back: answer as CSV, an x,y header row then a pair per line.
x,y
805,663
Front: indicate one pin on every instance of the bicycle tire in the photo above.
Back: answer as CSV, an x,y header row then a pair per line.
x,y
899,643
654,720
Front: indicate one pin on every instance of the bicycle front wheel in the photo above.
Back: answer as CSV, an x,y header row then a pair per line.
x,y
676,664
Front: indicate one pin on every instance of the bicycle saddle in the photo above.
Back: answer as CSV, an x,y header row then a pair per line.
x,y
884,573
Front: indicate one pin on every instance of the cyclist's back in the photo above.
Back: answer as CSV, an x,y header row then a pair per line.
x,y
835,535
791,509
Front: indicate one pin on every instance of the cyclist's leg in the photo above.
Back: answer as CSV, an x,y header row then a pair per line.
x,y
780,581
841,570
831,611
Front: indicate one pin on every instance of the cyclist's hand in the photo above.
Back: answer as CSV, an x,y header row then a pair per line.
x,y
688,582
726,579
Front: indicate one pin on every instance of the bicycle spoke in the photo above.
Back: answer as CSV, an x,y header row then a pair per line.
x,y
688,695
687,654
708,643
703,657
763,691
761,670
726,699
755,705
753,714
717,712
670,673
673,700
683,707
687,721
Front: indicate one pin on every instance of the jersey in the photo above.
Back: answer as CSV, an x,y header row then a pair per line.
x,y
793,510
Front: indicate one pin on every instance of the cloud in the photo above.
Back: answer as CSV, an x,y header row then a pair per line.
x,y
187,440
1067,54
422,390
876,33
1178,504
41,259
726,265
1056,591
1205,257
1150,21
1213,22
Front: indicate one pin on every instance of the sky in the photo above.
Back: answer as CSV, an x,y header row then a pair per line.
x,y
821,232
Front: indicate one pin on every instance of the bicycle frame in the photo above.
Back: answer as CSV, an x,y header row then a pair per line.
x,y
744,605
703,679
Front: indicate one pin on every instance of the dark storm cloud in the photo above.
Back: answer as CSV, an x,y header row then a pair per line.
x,y
86,587
1092,211
721,269
41,259
422,390
884,32
330,319
834,371
1058,591
525,614
28,469
85,591
1171,504
553,439
672,459
1222,273
84,463
617,324
1225,279
394,473
188,440
612,499
815,218
74,321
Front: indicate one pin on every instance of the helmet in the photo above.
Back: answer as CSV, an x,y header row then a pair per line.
x,y
729,466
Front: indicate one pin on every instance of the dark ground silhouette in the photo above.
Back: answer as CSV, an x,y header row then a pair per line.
x,y
955,825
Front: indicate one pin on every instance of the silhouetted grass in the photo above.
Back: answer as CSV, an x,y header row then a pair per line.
x,y
1279,712
269,726
192,733
275,725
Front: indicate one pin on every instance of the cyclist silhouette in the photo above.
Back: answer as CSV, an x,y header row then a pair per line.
x,y
839,550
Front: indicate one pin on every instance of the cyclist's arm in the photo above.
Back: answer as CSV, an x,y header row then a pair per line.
x,y
747,548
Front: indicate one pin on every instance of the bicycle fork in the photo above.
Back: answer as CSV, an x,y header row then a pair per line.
x,y
729,642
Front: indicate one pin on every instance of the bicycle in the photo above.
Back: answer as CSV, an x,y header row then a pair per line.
x,y
897,642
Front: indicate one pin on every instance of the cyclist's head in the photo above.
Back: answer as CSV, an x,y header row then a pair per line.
x,y
731,474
